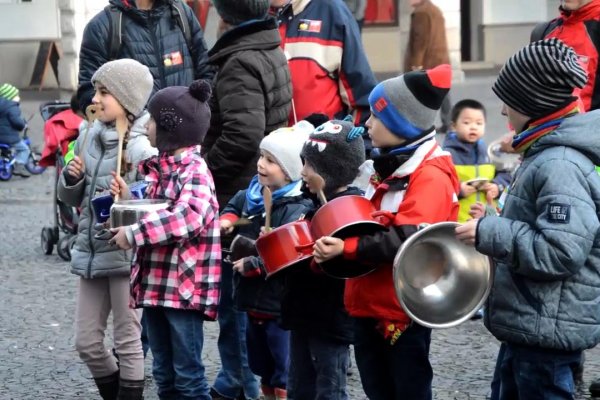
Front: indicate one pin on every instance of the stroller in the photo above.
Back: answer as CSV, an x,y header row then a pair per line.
x,y
66,218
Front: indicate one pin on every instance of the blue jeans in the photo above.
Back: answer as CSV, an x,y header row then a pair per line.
x,y
21,152
176,338
268,352
318,368
234,377
530,373
398,372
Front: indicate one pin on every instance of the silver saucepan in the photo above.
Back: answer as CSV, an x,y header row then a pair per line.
x,y
128,212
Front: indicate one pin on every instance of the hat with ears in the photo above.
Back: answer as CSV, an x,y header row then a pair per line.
x,y
335,150
408,104
128,81
182,115
285,144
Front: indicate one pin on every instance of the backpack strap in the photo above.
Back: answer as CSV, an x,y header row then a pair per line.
x,y
115,18
183,22
542,29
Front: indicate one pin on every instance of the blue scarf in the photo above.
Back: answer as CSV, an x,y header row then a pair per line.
x,y
254,198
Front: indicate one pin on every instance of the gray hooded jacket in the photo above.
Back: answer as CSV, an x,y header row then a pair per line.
x,y
546,244
90,257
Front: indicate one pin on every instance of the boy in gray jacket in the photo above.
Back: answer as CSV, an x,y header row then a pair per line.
x,y
546,245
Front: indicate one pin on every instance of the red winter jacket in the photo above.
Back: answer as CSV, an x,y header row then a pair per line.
x,y
428,195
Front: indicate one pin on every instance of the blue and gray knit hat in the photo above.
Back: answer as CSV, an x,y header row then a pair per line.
x,y
408,104
8,91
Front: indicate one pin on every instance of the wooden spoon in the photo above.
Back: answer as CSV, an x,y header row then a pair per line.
x,y
268,200
122,127
318,183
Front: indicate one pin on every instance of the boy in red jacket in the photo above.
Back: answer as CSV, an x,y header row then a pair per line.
x,y
416,181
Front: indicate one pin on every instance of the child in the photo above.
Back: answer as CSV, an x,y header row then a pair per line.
x,y
279,169
11,125
545,243
122,90
177,269
469,154
313,303
417,182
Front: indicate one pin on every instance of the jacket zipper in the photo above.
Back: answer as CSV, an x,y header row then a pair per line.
x,y
91,193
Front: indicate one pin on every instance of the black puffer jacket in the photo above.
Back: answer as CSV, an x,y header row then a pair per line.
x,y
252,97
147,36
313,302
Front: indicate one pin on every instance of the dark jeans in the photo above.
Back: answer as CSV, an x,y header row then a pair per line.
x,y
176,338
398,372
268,352
530,373
318,368
145,344
234,377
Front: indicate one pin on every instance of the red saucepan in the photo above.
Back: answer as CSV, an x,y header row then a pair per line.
x,y
345,217
287,245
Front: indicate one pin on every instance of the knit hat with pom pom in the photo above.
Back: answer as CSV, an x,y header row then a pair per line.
x,y
182,115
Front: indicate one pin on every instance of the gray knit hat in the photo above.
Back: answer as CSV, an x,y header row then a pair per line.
x,y
285,145
335,150
129,81
235,12
540,78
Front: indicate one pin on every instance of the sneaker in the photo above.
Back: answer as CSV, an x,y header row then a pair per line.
x,y
20,170
478,314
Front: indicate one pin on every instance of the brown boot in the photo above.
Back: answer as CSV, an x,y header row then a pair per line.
x,y
280,394
268,392
108,386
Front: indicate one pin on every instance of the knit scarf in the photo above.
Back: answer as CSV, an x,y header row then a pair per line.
x,y
543,126
254,197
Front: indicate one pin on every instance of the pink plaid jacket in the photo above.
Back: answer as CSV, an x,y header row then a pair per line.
x,y
178,258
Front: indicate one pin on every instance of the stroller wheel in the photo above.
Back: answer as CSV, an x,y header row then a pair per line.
x,y
47,239
63,248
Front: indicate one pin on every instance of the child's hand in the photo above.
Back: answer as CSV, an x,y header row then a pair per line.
x,y
238,266
327,248
467,232
491,190
119,187
75,169
226,226
477,210
120,238
466,190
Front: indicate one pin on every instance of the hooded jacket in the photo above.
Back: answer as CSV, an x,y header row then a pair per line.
x,y
90,257
11,121
252,97
546,244
150,37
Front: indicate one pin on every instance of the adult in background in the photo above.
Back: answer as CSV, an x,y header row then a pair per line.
x,y
330,71
151,33
428,47
252,96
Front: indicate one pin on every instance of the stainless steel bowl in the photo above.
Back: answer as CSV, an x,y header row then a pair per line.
x,y
440,281
128,212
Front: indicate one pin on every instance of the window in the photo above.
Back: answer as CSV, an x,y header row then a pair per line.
x,y
381,12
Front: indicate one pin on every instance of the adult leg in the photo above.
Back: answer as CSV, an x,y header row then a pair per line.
x,y
159,337
330,359
302,378
187,340
235,376
93,307
127,337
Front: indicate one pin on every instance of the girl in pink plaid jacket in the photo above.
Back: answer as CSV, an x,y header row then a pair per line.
x,y
177,270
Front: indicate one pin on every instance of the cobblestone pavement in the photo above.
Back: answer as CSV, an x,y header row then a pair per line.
x,y
37,356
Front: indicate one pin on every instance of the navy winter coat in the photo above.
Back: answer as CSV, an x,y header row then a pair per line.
x,y
11,122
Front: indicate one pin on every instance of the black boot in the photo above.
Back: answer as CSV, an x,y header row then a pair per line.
x,y
595,388
131,390
108,386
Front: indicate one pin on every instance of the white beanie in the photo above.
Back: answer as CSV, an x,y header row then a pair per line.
x,y
285,144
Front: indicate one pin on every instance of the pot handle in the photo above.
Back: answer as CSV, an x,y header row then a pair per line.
x,y
384,216
304,246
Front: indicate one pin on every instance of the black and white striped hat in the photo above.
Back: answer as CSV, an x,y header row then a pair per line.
x,y
540,78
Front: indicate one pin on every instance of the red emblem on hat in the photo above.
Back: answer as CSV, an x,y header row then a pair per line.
x,y
380,104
